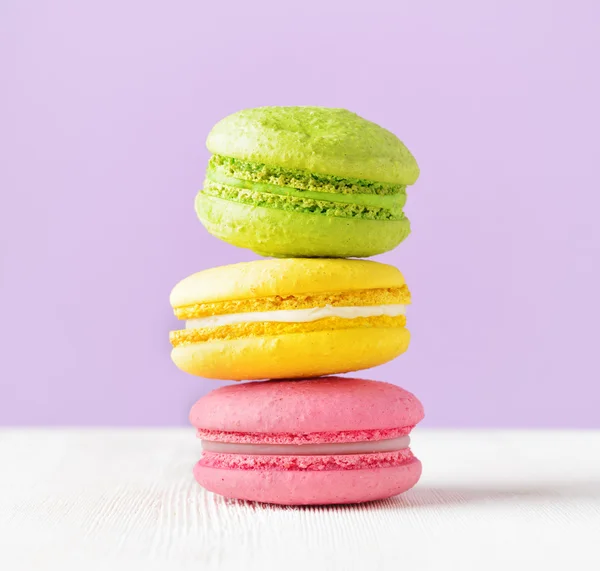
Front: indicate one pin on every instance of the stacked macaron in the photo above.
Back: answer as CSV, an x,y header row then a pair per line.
x,y
309,186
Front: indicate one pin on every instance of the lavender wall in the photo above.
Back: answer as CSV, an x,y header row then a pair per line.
x,y
104,110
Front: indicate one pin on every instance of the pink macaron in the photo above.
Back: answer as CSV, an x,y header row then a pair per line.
x,y
321,441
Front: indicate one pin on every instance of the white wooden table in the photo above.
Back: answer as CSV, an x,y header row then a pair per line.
x,y
126,500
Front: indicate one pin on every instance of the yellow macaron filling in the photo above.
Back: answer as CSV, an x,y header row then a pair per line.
x,y
366,297
272,328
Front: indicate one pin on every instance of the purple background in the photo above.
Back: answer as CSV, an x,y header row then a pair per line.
x,y
104,109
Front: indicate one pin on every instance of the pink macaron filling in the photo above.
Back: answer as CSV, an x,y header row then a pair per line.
x,y
302,437
369,447
316,451
307,452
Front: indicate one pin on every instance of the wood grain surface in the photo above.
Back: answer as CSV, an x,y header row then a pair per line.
x,y
125,499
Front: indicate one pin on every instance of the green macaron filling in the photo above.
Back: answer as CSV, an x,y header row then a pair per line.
x,y
299,179
298,203
221,183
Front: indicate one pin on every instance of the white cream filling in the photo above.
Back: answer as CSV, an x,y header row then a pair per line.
x,y
389,445
297,315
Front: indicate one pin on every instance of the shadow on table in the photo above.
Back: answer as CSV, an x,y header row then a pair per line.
x,y
456,495
424,497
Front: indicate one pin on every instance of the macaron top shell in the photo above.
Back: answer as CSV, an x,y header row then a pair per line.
x,y
325,405
315,139
282,277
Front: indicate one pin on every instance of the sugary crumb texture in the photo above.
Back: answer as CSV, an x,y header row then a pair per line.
x,y
299,438
271,328
299,179
367,297
303,192
320,462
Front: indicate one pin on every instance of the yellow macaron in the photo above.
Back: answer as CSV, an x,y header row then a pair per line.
x,y
289,318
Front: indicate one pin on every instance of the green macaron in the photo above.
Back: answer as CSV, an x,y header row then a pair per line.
x,y
306,182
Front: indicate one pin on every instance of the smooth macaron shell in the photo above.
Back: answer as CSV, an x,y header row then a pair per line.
x,y
307,407
295,355
325,410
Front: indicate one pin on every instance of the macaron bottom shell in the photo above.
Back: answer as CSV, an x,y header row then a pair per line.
x,y
298,355
282,233
310,487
